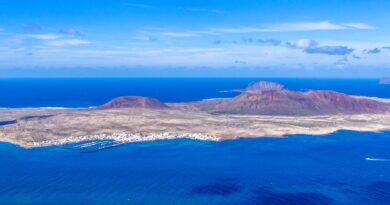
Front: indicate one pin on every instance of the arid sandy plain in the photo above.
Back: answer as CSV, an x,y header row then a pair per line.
x,y
43,127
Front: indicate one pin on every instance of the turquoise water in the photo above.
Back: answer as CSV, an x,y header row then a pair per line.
x,y
298,170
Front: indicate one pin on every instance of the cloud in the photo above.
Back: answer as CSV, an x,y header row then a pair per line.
x,y
205,10
71,31
273,28
254,41
239,62
344,59
217,42
142,6
248,40
317,26
306,26
342,62
302,44
66,42
296,27
273,42
146,38
329,50
372,51
43,36
31,28
279,57
179,34
386,47
356,57
57,40
311,47
359,26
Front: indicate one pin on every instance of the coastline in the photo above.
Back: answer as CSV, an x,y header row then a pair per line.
x,y
237,127
137,137
125,138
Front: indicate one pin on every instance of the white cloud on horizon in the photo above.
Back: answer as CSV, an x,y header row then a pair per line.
x,y
311,47
302,44
213,57
50,39
359,26
205,10
317,26
273,28
66,42
43,36
286,27
59,48
179,34
71,31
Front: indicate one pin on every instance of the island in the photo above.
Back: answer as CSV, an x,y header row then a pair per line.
x,y
385,81
263,109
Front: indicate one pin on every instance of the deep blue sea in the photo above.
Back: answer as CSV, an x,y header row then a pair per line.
x,y
344,168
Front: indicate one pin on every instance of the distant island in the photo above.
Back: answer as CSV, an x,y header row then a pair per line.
x,y
385,81
263,109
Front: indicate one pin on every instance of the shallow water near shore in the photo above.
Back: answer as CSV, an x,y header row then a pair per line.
x,y
341,168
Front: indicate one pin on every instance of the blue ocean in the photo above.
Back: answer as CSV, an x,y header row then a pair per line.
x,y
343,168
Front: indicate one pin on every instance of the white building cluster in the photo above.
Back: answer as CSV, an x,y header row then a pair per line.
x,y
126,138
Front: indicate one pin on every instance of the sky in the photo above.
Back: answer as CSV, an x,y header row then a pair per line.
x,y
228,38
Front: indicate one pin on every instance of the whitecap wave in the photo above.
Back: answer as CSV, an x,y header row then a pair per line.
x,y
377,159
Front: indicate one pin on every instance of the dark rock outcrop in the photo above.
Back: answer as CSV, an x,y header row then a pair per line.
x,y
134,102
275,101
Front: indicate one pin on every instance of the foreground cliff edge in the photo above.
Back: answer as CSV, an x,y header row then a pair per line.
x,y
264,109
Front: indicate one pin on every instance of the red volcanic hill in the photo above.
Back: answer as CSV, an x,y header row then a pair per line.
x,y
134,102
267,98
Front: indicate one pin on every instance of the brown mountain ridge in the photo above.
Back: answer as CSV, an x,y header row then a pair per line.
x,y
267,98
134,102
